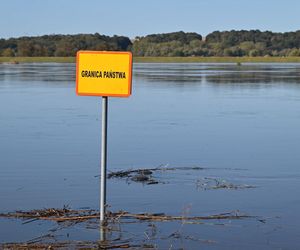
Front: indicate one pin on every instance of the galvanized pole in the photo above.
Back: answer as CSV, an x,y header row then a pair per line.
x,y
103,159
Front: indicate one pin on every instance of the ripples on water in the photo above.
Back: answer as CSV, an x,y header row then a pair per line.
x,y
239,122
192,72
220,73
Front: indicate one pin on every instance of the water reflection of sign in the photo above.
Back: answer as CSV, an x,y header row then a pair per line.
x,y
103,73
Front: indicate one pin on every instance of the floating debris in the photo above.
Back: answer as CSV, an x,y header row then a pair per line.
x,y
54,214
208,183
145,176
74,245
61,215
114,220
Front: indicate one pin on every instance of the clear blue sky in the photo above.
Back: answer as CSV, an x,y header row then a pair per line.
x,y
140,17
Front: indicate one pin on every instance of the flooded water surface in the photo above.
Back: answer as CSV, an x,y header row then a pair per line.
x,y
218,138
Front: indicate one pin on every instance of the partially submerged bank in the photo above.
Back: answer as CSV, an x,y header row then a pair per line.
x,y
15,60
245,59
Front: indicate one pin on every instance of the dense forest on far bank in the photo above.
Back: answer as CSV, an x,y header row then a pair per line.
x,y
61,45
227,43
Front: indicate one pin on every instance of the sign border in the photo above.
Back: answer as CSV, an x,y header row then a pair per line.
x,y
105,52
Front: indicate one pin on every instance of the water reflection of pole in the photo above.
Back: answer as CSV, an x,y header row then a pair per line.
x,y
103,161
102,233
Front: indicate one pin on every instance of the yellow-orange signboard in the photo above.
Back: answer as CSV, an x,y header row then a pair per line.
x,y
103,73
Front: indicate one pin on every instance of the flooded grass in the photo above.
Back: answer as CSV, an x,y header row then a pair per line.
x,y
62,215
16,60
208,183
238,60
145,175
75,245
151,176
115,221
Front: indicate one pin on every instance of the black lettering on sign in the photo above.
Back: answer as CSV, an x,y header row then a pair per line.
x,y
103,74
114,74
91,73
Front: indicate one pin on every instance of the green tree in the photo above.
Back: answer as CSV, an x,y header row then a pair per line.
x,y
8,52
294,52
25,48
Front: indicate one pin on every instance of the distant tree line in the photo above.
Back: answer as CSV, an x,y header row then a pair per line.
x,y
254,43
227,43
61,45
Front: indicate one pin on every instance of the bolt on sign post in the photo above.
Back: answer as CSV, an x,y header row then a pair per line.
x,y
103,73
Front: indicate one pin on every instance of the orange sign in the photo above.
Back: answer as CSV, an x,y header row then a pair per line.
x,y
103,73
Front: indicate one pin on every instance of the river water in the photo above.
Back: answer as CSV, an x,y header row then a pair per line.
x,y
211,123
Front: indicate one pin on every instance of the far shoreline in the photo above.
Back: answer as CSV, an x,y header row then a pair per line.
x,y
238,60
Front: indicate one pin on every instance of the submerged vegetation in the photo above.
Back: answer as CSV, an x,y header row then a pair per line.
x,y
115,235
146,175
151,176
65,214
253,43
114,231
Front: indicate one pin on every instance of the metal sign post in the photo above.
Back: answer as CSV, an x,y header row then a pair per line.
x,y
103,159
103,73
